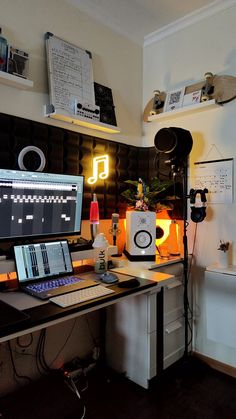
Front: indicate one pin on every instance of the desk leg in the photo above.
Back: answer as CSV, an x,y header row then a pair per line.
x,y
160,341
103,324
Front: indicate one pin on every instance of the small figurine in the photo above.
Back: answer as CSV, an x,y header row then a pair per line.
x,y
140,189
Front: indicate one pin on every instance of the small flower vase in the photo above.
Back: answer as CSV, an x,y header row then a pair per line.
x,y
223,259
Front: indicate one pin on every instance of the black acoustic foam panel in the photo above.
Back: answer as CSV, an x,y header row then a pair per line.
x,y
71,152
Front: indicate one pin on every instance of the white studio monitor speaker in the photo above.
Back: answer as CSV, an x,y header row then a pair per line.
x,y
140,235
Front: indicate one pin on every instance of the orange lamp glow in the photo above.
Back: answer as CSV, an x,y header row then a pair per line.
x,y
165,226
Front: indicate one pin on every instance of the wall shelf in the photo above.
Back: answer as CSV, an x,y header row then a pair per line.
x,y
186,110
61,115
15,81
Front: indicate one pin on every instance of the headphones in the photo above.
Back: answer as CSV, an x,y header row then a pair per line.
x,y
198,213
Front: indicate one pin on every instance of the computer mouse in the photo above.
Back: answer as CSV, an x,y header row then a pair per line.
x,y
109,278
130,283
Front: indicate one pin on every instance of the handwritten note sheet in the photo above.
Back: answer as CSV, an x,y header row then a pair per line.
x,y
217,177
70,74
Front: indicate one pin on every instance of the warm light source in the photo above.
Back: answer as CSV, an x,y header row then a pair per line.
x,y
97,162
165,226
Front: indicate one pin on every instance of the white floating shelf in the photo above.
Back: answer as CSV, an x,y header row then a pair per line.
x,y
81,121
15,81
202,106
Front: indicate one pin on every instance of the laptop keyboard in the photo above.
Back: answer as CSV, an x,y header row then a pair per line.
x,y
53,283
80,296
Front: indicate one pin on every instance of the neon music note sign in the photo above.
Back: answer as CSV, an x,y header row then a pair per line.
x,y
96,174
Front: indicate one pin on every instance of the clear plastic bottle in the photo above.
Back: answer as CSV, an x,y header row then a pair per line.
x,y
100,245
3,53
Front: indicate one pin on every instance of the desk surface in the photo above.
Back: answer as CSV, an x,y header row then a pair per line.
x,y
44,314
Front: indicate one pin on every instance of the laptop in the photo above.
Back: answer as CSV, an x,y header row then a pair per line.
x,y
45,269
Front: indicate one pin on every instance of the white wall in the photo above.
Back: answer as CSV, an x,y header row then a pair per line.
x,y
179,60
117,62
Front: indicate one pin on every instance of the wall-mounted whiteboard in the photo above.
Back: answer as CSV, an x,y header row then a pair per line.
x,y
70,74
217,177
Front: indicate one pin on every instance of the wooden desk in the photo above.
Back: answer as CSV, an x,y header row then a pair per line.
x,y
44,314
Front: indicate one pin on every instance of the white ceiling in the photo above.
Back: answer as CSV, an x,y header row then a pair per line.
x,y
136,19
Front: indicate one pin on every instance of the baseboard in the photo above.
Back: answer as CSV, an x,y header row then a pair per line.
x,y
217,365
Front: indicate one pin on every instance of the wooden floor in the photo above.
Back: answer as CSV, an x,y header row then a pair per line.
x,y
187,390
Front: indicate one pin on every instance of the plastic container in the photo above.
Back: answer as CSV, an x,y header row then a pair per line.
x,y
100,245
3,53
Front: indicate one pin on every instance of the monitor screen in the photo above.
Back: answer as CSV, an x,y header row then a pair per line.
x,y
39,204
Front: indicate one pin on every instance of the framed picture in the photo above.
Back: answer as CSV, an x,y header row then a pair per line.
x,y
174,99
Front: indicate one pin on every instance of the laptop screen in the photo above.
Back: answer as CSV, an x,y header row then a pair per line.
x,y
42,260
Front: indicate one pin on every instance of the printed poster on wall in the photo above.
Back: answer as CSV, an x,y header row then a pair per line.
x,y
217,177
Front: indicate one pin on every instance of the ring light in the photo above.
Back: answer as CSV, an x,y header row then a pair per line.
x,y
36,150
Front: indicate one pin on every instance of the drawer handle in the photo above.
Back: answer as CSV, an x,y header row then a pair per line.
x,y
173,327
174,284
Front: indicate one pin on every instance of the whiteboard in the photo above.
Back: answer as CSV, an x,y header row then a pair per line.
x,y
217,177
70,74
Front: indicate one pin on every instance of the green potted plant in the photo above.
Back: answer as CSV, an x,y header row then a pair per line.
x,y
153,196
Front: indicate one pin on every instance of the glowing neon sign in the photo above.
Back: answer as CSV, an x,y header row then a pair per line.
x,y
97,162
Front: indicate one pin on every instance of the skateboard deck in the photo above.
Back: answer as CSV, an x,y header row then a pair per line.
x,y
150,105
223,91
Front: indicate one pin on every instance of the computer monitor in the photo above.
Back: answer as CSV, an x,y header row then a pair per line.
x,y
34,204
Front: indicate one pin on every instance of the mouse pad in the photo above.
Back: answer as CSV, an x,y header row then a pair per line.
x,y
94,276
122,277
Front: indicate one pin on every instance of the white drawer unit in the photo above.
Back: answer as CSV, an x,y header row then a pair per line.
x,y
173,315
132,338
146,333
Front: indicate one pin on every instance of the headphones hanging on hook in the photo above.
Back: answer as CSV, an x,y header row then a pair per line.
x,y
198,213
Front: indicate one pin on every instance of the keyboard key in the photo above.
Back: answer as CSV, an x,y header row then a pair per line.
x,y
54,283
76,297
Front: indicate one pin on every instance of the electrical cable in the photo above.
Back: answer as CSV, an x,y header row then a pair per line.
x,y
42,352
90,330
63,346
24,346
41,363
16,375
189,272
73,387
38,361
189,309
